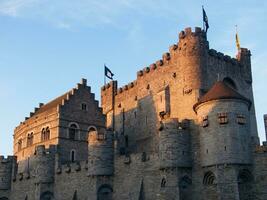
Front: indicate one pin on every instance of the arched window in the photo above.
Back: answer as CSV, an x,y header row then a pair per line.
x,y
45,135
185,189
73,130
245,182
72,156
104,192
210,187
228,81
209,178
47,196
19,144
30,139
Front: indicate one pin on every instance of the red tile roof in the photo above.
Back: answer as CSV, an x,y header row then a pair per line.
x,y
220,90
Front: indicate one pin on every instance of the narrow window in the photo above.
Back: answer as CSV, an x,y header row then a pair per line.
x,y
100,136
30,139
72,156
47,133
205,121
163,182
225,148
241,119
207,151
84,106
126,141
19,144
72,131
222,118
43,135
146,120
135,114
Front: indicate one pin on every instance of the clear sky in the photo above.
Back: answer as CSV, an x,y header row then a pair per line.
x,y
47,46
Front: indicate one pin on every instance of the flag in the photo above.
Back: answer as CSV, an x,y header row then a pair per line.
x,y
205,19
108,73
237,41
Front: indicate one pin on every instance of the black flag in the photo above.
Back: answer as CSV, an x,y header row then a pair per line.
x,y
205,19
108,73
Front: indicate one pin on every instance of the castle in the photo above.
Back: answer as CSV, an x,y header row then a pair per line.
x,y
185,129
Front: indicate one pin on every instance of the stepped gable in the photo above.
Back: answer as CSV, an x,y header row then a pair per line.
x,y
52,104
220,90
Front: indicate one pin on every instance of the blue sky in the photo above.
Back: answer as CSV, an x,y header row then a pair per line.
x,y
47,46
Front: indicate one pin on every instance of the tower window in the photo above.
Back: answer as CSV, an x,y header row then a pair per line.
x,y
45,135
209,179
72,156
19,144
241,119
73,129
30,139
205,121
84,106
222,118
100,136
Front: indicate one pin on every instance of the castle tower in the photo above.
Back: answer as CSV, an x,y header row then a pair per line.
x,y
6,166
225,139
192,58
174,145
108,101
244,57
45,165
100,153
174,156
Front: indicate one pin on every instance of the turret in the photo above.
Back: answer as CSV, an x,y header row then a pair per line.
x,y
224,126
108,92
244,57
174,144
6,166
191,57
44,160
100,153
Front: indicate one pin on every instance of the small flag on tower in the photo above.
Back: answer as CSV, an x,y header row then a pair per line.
x,y
205,20
108,73
237,40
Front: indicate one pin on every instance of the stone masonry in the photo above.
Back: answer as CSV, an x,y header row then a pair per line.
x,y
185,129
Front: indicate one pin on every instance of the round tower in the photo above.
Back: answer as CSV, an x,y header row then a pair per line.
x,y
224,126
174,143
100,153
191,57
44,162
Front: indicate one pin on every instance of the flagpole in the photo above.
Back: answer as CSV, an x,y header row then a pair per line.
x,y
104,74
203,25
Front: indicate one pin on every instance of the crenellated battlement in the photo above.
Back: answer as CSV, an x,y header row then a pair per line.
x,y
7,159
164,61
187,32
41,150
75,167
220,56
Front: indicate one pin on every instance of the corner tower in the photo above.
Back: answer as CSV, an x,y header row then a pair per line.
x,y
192,57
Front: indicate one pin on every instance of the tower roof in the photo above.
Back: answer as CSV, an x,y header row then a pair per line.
x,y
220,90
